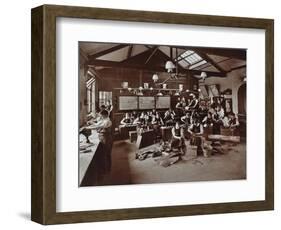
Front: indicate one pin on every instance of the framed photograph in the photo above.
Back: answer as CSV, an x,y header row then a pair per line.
x,y
139,114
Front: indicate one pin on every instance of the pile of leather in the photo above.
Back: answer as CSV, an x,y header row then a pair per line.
x,y
143,155
164,156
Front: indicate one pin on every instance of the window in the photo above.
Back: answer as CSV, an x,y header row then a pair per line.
x,y
104,96
90,85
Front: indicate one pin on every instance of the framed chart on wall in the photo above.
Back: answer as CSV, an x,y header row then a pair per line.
x,y
57,35
128,102
146,102
163,102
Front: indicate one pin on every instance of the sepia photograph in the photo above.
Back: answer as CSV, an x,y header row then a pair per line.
x,y
149,114
161,114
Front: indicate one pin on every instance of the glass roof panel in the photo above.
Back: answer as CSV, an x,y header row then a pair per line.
x,y
190,59
198,64
183,63
193,58
186,53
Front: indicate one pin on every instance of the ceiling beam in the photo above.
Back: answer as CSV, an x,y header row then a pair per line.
x,y
137,57
103,63
208,64
113,64
209,73
107,51
238,67
153,51
180,68
130,50
226,52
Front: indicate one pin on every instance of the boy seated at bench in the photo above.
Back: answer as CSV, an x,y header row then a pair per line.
x,y
157,122
126,120
231,122
140,120
208,120
178,138
196,130
169,117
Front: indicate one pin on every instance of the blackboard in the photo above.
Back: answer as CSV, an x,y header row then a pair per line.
x,y
163,102
128,103
146,102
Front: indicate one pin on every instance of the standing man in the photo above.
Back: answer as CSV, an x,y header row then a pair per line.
x,y
109,108
103,127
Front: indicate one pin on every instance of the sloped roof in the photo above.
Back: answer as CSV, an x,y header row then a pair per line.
x,y
213,61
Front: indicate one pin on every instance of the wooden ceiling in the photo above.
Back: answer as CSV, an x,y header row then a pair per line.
x,y
193,60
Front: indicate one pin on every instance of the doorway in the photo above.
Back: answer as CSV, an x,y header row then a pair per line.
x,y
242,102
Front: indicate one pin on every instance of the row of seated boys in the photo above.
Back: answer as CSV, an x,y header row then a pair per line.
x,y
193,123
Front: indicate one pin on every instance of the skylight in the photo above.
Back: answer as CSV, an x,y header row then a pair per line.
x,y
193,58
186,53
189,57
199,63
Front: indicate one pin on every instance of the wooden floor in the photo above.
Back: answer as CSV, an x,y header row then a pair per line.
x,y
127,170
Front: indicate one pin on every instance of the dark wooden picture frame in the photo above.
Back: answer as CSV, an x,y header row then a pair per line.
x,y
43,207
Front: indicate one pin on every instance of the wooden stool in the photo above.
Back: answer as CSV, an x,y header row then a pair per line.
x,y
145,139
124,130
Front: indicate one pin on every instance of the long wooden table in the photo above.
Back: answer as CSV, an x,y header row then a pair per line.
x,y
85,158
218,137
